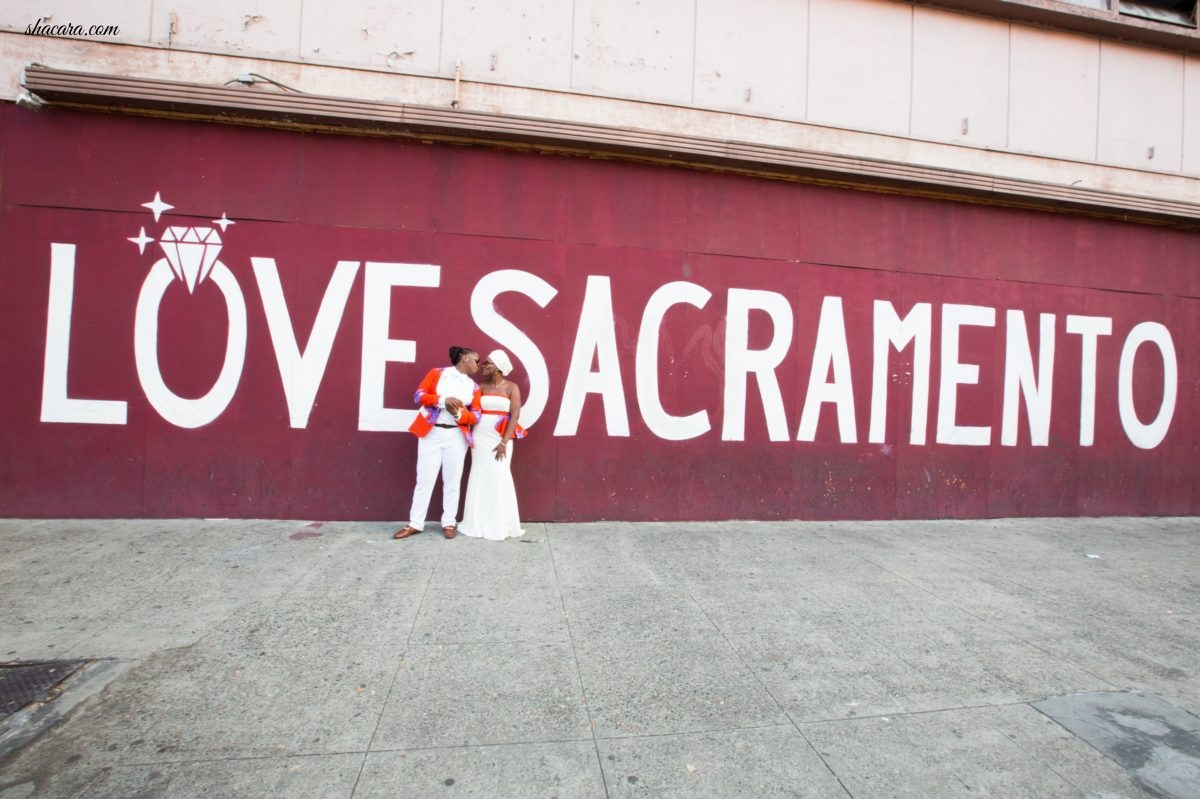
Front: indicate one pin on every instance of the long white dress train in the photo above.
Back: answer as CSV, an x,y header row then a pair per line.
x,y
491,506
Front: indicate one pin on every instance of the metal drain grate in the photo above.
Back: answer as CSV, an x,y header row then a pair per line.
x,y
22,683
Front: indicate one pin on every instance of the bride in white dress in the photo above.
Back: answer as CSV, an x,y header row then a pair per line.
x,y
491,506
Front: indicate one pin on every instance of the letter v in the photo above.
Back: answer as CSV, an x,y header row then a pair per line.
x,y
302,372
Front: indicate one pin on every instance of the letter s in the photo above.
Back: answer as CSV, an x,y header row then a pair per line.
x,y
509,336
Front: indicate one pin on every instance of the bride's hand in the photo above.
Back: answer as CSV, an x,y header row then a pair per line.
x,y
501,450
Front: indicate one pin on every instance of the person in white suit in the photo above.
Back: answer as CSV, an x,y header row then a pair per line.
x,y
448,404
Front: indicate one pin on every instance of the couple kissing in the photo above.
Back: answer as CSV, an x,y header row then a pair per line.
x,y
456,414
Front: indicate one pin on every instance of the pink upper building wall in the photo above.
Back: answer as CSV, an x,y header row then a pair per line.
x,y
960,88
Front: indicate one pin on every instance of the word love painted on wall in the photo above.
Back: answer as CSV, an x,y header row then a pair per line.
x,y
191,259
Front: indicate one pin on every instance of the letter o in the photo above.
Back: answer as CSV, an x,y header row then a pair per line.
x,y
1147,436
181,412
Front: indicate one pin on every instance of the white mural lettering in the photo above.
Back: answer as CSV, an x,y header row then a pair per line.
x,y
955,374
741,361
56,405
512,338
891,331
831,354
177,410
1020,380
1147,436
378,350
595,340
191,260
1089,329
661,423
301,372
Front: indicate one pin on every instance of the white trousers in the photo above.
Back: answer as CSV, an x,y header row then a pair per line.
x,y
440,450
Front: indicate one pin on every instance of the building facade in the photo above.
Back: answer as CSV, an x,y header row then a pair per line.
x,y
804,259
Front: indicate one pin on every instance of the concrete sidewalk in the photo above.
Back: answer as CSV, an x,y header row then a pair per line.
x,y
297,659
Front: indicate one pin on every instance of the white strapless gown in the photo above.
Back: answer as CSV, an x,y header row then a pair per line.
x,y
491,506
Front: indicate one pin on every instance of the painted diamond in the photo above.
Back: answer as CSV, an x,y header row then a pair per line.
x,y
191,252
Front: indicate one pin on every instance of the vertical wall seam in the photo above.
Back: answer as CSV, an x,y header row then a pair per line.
x,y
1099,97
695,34
571,49
807,60
1183,85
300,33
1008,92
441,36
912,65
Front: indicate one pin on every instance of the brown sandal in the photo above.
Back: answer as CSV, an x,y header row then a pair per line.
x,y
406,532
449,532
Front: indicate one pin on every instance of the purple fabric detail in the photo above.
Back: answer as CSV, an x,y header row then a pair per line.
x,y
504,419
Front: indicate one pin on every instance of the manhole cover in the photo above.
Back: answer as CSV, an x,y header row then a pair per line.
x,y
22,683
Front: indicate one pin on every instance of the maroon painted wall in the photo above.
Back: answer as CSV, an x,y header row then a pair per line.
x,y
109,406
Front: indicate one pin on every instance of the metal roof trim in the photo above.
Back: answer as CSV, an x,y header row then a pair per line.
x,y
71,89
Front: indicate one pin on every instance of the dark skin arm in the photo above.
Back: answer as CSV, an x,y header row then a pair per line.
x,y
513,392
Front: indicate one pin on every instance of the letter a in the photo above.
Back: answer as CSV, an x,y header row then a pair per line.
x,y
596,338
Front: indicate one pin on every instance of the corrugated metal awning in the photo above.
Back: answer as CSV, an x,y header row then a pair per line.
x,y
296,110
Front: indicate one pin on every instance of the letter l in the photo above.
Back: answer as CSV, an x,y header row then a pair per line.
x,y
56,405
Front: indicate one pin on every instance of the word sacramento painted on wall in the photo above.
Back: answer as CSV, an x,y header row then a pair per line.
x,y
830,381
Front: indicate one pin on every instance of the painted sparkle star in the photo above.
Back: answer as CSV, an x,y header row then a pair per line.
x,y
223,222
141,241
157,206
